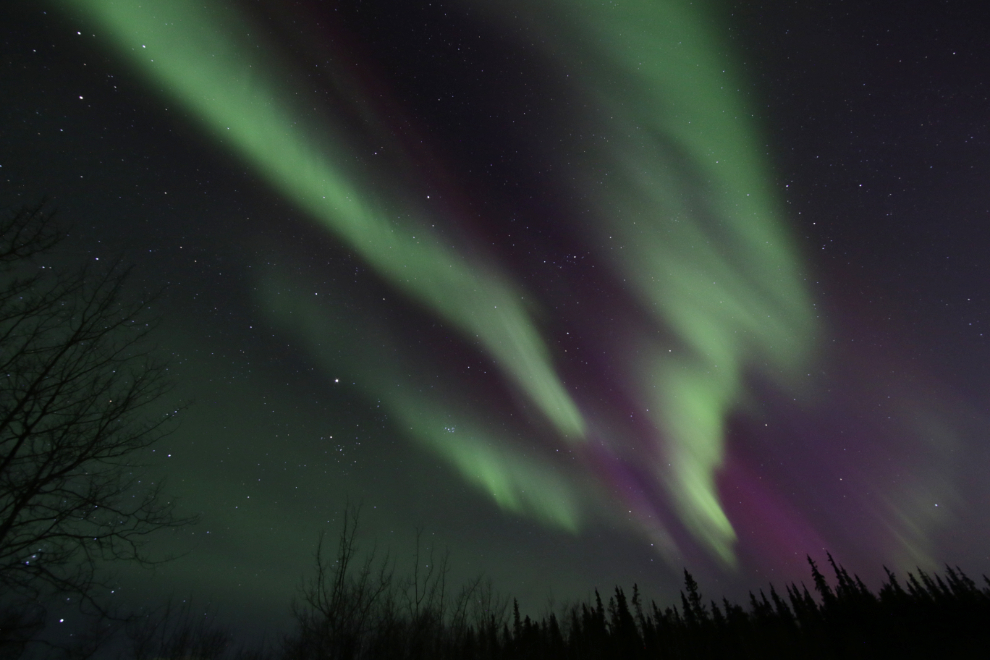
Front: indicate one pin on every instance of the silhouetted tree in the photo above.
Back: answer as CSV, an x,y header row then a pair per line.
x,y
178,629
77,387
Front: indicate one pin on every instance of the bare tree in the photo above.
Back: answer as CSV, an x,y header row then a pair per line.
x,y
178,629
354,607
78,383
346,604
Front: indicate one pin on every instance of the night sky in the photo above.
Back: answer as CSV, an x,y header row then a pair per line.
x,y
588,292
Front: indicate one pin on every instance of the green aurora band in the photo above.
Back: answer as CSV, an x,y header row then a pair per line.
x,y
693,224
510,471
228,86
695,227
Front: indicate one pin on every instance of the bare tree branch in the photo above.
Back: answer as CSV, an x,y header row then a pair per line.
x,y
78,387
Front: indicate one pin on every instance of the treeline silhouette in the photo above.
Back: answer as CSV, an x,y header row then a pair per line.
x,y
929,616
355,609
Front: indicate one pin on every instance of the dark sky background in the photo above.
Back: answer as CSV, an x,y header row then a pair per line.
x,y
517,143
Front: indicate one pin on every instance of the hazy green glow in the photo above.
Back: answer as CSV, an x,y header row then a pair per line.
x,y
517,477
204,59
681,203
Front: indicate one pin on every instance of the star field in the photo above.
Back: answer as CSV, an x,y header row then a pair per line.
x,y
591,293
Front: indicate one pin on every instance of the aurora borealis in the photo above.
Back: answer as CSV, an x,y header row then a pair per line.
x,y
589,291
